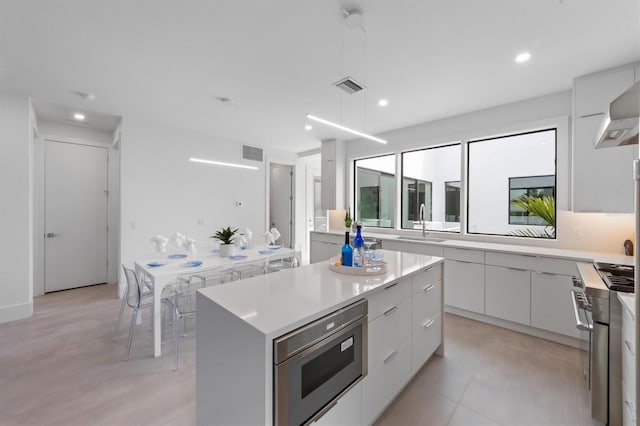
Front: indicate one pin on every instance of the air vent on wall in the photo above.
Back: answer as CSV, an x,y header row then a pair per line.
x,y
349,85
251,153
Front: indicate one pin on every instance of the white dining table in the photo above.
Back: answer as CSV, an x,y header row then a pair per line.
x,y
160,276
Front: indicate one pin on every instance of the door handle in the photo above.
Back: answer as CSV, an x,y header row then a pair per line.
x,y
51,235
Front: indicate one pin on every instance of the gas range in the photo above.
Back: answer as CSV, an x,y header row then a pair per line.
x,y
616,277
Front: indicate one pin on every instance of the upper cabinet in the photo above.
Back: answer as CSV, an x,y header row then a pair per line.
x,y
602,179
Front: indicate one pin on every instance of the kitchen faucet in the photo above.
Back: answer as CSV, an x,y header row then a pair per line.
x,y
424,232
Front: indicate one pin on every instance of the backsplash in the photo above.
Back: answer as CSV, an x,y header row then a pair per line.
x,y
601,232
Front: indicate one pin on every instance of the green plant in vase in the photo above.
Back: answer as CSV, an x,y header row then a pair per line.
x,y
226,237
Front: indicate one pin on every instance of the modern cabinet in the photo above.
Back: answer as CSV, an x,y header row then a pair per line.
x,y
418,248
508,293
551,303
324,246
628,366
464,275
405,329
347,411
602,179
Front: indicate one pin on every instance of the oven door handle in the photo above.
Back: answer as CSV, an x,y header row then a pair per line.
x,y
580,324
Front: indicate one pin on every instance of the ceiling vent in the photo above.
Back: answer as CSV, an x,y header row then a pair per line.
x,y
251,153
349,85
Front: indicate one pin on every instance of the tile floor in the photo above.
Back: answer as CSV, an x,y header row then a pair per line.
x,y
60,367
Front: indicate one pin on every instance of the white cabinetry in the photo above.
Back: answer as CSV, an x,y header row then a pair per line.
x,y
628,366
325,246
602,179
409,247
551,303
508,293
346,412
464,275
405,329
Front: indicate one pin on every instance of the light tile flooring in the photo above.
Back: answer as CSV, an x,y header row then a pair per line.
x,y
60,367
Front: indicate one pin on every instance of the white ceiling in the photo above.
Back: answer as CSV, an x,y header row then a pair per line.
x,y
166,61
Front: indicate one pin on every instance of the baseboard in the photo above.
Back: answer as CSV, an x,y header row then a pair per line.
x,y
521,328
15,312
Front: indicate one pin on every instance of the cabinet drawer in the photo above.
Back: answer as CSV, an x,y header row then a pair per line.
x,y
425,307
628,407
382,384
422,280
347,412
519,261
628,366
551,304
465,255
388,332
508,294
430,250
464,285
391,295
557,266
424,343
628,325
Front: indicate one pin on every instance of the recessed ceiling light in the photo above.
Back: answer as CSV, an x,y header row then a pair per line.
x,y
308,127
523,57
383,102
79,116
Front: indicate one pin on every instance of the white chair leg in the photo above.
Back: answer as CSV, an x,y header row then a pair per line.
x,y
131,330
175,338
115,332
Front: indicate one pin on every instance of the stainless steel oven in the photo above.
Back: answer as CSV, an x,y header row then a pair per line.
x,y
318,363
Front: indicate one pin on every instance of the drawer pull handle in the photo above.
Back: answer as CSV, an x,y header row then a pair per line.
x,y
428,288
546,273
629,346
429,269
516,269
429,323
629,406
392,285
390,356
389,311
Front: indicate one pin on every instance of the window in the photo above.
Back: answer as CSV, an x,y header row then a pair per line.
x,y
504,168
375,191
532,186
431,177
452,201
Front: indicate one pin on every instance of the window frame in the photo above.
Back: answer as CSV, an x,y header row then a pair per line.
x,y
355,186
556,129
509,196
459,197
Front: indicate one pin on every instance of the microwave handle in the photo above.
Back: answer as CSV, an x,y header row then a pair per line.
x,y
580,325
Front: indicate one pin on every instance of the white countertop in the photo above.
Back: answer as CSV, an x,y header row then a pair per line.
x,y
279,302
628,301
583,255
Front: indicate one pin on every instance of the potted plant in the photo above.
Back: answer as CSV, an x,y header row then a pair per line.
x,y
543,207
226,237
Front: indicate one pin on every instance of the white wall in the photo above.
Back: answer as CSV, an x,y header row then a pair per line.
x,y
162,192
16,214
584,231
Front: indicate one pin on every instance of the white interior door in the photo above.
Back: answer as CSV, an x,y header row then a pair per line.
x,y
281,202
75,215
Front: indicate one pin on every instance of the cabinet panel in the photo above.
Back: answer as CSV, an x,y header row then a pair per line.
x,y
602,178
465,255
387,333
593,94
382,384
387,298
319,251
628,408
413,247
430,275
508,294
424,344
629,349
508,260
348,410
425,307
464,285
551,304
558,266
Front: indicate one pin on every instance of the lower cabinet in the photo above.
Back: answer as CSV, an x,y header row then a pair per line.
x,y
465,285
425,342
347,412
508,294
551,304
628,367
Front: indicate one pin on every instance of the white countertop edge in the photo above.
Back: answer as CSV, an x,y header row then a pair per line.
x,y
276,323
570,254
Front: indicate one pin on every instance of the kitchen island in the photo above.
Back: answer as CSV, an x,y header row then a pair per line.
x,y
238,322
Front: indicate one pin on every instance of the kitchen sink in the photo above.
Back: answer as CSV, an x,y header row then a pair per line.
x,y
421,238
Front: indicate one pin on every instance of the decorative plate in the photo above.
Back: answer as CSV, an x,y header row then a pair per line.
x,y
274,247
237,257
264,251
156,264
177,256
192,263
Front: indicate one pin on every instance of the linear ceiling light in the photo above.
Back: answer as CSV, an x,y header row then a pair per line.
x,y
221,163
346,129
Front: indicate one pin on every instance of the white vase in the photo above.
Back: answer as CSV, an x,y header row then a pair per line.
x,y
226,250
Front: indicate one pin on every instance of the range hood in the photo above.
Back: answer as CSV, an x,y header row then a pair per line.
x,y
620,125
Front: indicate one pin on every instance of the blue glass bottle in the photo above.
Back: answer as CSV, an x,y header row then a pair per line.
x,y
347,251
358,248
